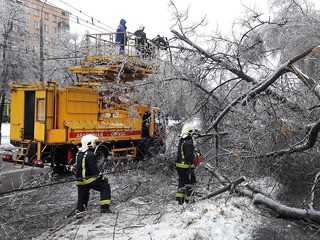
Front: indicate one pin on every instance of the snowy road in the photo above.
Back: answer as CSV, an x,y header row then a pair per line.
x,y
11,177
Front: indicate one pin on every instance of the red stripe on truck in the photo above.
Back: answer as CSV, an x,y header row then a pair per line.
x,y
104,134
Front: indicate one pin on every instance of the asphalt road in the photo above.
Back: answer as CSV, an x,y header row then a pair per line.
x,y
14,177
25,213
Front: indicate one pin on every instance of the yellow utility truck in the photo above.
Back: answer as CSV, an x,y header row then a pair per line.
x,y
48,121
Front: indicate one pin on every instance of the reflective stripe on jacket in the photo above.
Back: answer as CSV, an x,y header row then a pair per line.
x,y
87,169
185,156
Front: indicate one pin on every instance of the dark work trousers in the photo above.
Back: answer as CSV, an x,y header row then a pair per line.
x,y
101,186
187,179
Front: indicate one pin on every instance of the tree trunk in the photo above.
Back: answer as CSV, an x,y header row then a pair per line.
x,y
258,198
286,211
2,96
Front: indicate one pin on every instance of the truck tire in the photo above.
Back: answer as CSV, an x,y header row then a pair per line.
x,y
56,165
102,157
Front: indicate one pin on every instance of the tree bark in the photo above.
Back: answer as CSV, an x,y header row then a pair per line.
x,y
258,198
1,111
286,211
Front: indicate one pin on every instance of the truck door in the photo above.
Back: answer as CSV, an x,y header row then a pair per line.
x,y
40,115
29,101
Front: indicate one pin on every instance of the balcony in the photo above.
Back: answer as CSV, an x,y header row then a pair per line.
x,y
63,25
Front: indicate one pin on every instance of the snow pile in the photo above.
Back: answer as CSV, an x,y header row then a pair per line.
x,y
203,220
5,139
209,219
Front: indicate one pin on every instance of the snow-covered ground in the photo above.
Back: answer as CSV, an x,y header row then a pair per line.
x,y
5,140
223,219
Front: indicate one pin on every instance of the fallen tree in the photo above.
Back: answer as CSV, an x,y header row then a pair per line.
x,y
258,198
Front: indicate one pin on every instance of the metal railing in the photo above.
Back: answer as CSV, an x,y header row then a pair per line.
x,y
104,44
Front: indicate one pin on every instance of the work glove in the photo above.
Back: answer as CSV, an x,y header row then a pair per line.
x,y
71,168
190,173
197,153
100,176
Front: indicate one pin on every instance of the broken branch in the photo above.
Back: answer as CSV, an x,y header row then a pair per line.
x,y
225,188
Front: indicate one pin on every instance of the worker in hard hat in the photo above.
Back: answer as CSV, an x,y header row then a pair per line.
x,y
89,177
141,36
185,165
141,40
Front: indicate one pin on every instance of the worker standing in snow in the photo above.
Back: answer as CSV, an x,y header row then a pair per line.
x,y
185,165
89,177
121,35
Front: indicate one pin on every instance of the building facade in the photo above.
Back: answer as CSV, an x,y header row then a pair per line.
x,y
54,19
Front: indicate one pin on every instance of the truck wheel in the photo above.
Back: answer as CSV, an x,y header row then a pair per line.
x,y
102,157
56,165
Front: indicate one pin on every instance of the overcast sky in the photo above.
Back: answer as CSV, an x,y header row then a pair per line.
x,y
155,15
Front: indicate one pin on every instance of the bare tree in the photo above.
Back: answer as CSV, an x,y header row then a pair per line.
x,y
12,47
258,87
65,49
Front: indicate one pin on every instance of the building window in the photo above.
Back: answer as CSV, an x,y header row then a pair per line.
x,y
28,22
46,51
46,27
63,24
54,18
36,12
54,30
46,15
36,24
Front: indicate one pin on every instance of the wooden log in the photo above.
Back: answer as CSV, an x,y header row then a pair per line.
x,y
258,198
286,211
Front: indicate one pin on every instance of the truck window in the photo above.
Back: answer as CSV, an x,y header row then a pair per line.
x,y
40,110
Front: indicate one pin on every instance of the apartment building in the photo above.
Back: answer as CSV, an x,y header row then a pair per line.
x,y
55,20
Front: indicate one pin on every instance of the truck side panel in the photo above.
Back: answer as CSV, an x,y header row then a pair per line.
x,y
77,104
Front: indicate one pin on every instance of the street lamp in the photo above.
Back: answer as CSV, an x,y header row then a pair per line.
x,y
41,43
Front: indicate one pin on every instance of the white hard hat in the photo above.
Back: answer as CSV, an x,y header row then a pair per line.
x,y
141,27
187,129
88,141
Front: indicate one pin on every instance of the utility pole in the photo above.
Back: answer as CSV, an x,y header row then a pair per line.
x,y
41,43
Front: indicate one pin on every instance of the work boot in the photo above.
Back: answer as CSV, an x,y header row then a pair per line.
x,y
105,209
80,214
180,201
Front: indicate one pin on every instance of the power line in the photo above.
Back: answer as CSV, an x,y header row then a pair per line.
x,y
90,27
76,18
90,22
93,19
